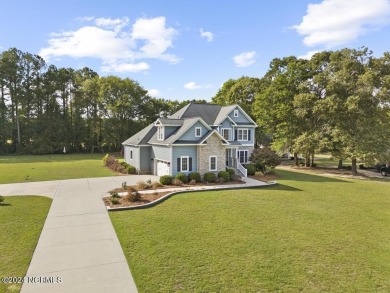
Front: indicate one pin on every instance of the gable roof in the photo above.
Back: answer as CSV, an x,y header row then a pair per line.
x,y
208,112
169,122
141,137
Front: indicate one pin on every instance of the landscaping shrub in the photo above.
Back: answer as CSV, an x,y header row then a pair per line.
x,y
124,164
108,160
192,182
114,200
209,177
132,196
131,169
141,185
230,171
194,176
156,184
251,169
264,159
177,182
115,195
225,175
182,177
166,180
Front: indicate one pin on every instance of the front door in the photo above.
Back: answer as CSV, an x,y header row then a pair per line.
x,y
229,158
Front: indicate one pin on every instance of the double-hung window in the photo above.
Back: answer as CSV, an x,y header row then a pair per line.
x,y
227,133
242,134
160,133
184,163
213,163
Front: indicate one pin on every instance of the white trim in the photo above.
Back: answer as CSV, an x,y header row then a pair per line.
x,y
200,131
216,163
231,120
160,132
238,134
247,116
247,156
235,113
247,144
211,133
230,133
181,163
244,125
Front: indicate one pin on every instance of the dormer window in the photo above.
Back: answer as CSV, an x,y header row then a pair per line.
x,y
160,133
235,113
198,131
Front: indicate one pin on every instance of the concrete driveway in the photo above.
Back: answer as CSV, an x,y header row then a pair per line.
x,y
78,250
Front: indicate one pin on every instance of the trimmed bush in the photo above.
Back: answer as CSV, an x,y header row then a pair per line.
x,y
209,177
251,169
166,180
114,200
225,175
131,169
124,164
230,171
182,177
194,176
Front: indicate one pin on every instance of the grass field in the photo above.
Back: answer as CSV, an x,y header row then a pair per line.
x,y
21,222
51,167
307,234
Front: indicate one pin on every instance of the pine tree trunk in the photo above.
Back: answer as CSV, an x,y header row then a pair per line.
x,y
340,164
296,159
307,160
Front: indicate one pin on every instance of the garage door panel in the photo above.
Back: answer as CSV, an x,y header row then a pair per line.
x,y
162,168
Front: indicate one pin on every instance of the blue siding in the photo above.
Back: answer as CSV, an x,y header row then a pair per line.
x,y
145,162
190,133
241,117
169,130
134,161
227,124
251,135
178,151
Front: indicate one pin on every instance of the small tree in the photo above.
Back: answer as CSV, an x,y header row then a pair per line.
x,y
264,159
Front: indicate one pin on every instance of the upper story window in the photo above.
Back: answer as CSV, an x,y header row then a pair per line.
x,y
198,131
235,113
160,133
226,133
242,134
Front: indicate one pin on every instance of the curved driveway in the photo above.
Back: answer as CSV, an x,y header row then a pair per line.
x,y
78,248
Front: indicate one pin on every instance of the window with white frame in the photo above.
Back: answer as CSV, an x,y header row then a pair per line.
x,y
242,134
198,131
226,133
213,163
160,133
242,156
235,113
184,163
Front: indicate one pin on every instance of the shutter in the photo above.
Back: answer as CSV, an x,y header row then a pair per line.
x,y
178,164
235,134
190,164
249,134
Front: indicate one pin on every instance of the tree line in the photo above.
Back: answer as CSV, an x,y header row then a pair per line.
x,y
44,109
336,102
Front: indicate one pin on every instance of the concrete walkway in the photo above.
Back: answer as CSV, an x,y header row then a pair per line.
x,y
78,246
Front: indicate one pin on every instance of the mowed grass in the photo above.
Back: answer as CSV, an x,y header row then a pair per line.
x,y
307,234
51,167
21,222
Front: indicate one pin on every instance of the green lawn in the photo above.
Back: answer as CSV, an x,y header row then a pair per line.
x,y
51,167
309,233
21,222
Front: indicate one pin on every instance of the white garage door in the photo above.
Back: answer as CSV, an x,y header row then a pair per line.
x,y
162,168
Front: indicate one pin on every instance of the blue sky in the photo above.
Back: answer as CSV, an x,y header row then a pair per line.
x,y
187,49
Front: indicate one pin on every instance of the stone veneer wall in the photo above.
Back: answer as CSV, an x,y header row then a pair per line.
x,y
214,147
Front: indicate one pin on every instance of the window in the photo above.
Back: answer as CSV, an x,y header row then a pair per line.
x,y
198,131
213,163
243,134
242,156
184,164
235,113
131,154
227,133
160,133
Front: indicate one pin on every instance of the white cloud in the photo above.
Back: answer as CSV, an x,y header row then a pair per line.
x,y
308,55
191,85
209,36
112,41
154,93
336,22
245,59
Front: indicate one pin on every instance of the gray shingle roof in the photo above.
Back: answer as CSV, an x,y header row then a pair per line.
x,y
208,112
141,137
167,121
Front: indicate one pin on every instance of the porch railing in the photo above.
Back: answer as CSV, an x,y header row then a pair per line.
x,y
241,168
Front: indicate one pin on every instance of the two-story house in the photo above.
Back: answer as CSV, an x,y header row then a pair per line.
x,y
197,138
